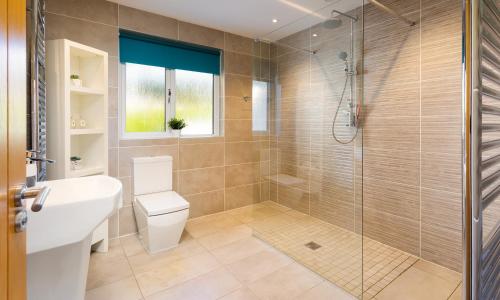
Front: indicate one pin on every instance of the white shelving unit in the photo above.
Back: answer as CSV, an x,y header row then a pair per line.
x,y
66,101
88,102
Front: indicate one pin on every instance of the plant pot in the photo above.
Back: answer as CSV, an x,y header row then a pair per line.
x,y
76,82
76,165
176,132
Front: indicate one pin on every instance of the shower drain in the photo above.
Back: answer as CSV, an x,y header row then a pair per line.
x,y
313,245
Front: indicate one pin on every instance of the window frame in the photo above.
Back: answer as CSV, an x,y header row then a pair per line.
x,y
170,106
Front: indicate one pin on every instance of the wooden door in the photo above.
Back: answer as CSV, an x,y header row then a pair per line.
x,y
12,145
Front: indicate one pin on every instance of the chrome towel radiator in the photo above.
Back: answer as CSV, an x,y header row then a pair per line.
x,y
38,113
481,149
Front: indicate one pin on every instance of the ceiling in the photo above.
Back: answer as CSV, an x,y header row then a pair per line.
x,y
250,18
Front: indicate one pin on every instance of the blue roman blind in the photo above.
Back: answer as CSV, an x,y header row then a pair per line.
x,y
148,50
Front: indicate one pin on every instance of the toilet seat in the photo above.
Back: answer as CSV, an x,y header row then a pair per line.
x,y
161,203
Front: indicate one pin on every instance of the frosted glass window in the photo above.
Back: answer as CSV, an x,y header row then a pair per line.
x,y
194,101
145,98
154,95
259,105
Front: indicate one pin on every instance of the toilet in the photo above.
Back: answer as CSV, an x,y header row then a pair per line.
x,y
160,212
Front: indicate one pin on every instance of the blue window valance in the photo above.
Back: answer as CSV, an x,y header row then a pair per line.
x,y
143,49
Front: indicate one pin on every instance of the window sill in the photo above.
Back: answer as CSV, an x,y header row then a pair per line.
x,y
167,137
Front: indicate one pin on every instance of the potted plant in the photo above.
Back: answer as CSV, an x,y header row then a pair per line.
x,y
76,162
75,80
176,125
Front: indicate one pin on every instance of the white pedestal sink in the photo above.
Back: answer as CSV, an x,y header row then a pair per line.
x,y
59,236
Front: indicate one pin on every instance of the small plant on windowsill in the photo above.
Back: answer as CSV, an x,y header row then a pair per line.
x,y
176,125
76,162
75,80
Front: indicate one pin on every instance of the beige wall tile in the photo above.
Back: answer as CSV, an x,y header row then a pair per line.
x,y
201,180
237,108
93,10
201,35
201,140
294,198
326,207
100,36
242,195
237,86
441,98
113,64
145,22
442,171
392,165
442,135
238,130
392,230
113,102
112,132
242,152
239,64
127,221
393,198
242,174
113,162
205,203
442,209
442,246
392,133
201,156
236,43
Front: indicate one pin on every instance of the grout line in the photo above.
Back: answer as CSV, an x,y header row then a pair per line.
x,y
133,272
82,19
455,290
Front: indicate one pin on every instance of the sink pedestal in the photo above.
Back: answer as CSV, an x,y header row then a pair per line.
x,y
59,273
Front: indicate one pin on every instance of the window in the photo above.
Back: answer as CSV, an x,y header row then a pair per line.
x,y
162,79
153,95
194,101
259,105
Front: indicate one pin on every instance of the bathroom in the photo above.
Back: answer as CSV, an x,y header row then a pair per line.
x,y
263,149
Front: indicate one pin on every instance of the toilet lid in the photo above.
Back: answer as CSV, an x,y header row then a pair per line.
x,y
162,203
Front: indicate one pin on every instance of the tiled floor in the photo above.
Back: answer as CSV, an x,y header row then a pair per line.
x,y
220,258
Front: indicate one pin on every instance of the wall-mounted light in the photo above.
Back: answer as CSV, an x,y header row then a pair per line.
x,y
315,34
275,20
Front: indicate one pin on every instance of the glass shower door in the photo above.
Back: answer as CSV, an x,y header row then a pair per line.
x,y
316,141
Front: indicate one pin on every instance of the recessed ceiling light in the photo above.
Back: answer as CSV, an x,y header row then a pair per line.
x,y
275,20
315,34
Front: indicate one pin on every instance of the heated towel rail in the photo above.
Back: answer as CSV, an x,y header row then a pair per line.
x,y
481,149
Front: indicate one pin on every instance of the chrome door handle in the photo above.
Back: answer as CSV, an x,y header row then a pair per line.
x,y
39,193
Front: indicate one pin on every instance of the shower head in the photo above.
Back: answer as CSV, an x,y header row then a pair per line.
x,y
332,23
343,55
343,14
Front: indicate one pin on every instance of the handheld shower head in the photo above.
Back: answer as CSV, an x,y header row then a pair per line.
x,y
343,55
